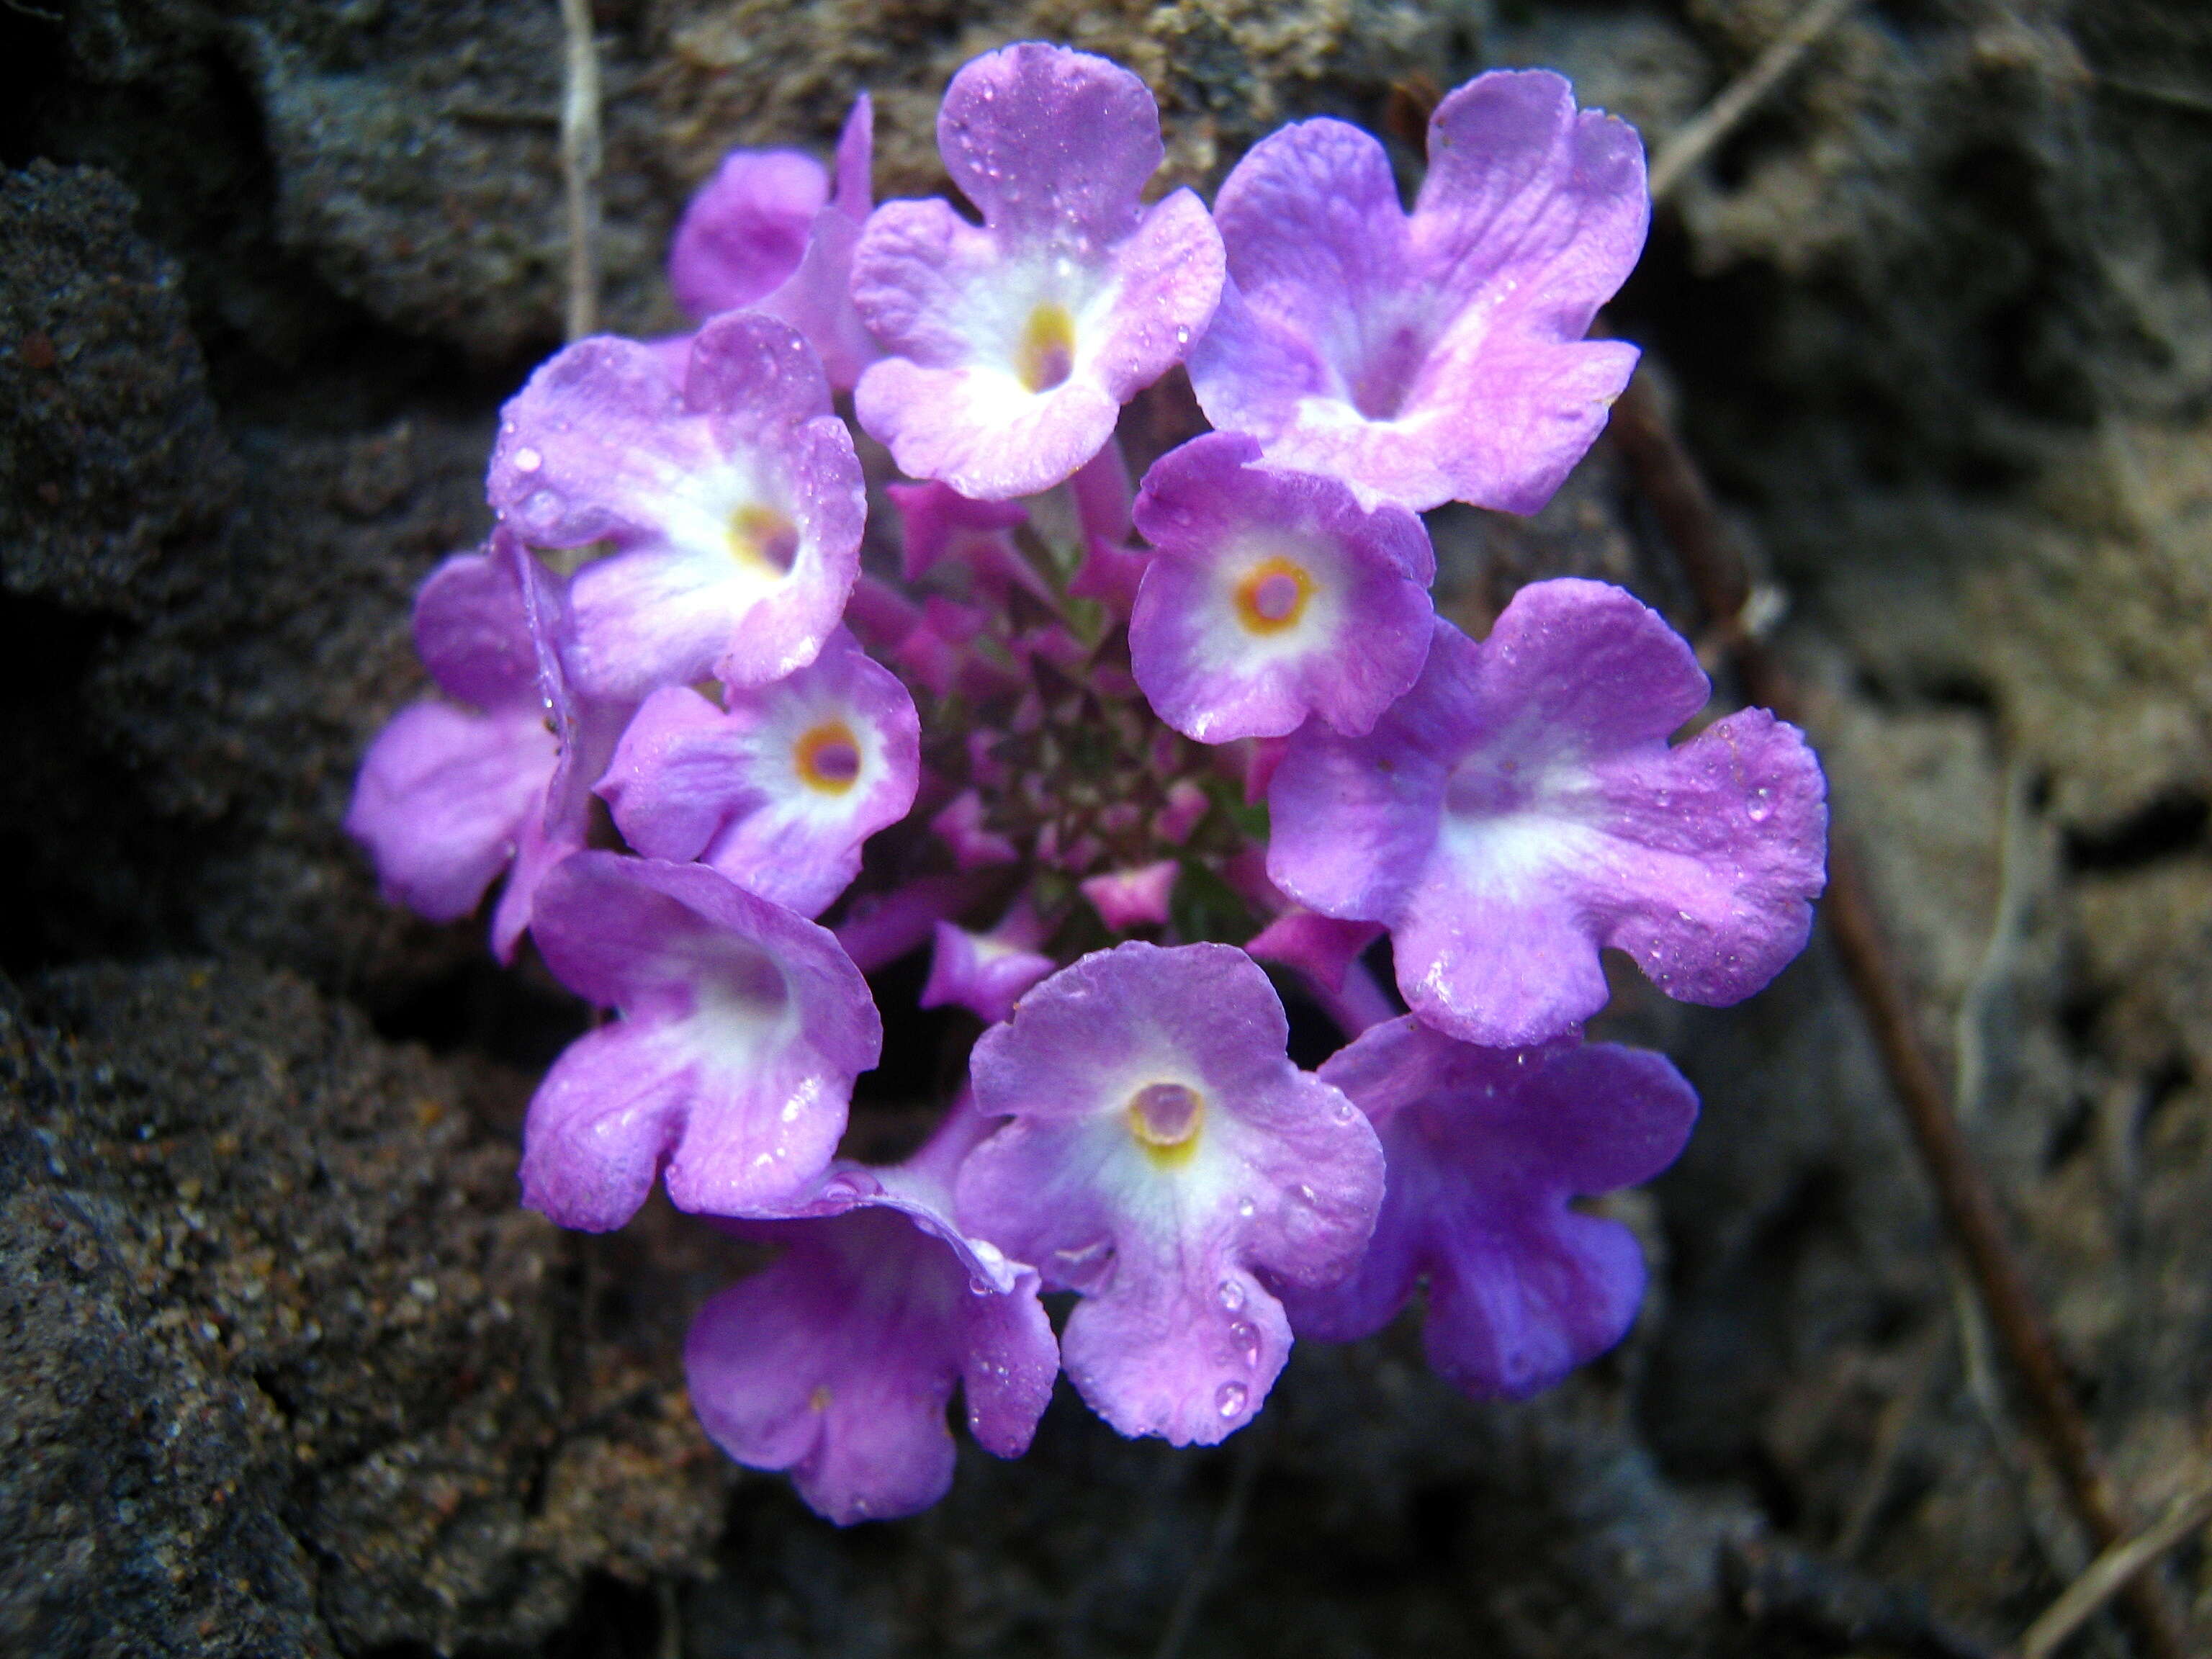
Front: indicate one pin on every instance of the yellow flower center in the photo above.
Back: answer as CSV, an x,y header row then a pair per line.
x,y
764,538
1273,596
1046,356
827,758
1165,1119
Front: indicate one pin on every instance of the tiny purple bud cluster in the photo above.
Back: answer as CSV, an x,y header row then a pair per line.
x,y
1216,711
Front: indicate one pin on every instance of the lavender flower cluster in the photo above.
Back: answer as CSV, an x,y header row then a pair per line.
x,y
1047,735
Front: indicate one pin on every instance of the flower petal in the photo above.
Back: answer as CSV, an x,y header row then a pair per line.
x,y
1485,1148
1161,1151
742,235
472,634
1051,144
442,796
745,1024
1273,596
1520,808
1440,356
735,504
779,790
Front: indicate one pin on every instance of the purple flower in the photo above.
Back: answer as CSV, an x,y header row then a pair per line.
x,y
1273,596
1485,1148
733,507
1439,357
1321,947
1010,348
779,790
986,973
1519,808
742,1030
1163,1151
937,523
744,230
587,729
836,1362
444,795
878,928
768,234
1133,898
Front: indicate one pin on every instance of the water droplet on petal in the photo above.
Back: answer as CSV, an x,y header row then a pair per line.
x,y
1244,1208
528,460
1182,336
1246,1336
1305,1193
1230,1397
1233,1295
980,1287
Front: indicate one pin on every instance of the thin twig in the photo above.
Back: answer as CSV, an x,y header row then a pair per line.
x,y
2174,97
1676,490
2112,1571
2001,954
2058,1545
1695,139
579,165
1251,1452
672,1620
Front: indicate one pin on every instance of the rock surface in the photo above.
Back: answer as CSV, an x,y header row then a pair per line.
x,y
286,1369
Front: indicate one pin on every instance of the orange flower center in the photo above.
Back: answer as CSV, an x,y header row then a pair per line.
x,y
827,758
1272,595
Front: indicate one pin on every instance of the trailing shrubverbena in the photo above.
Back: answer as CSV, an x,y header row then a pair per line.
x,y
1222,713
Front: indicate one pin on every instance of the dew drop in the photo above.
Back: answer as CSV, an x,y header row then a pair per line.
x,y
1305,1193
1344,1111
1182,336
1245,1207
1233,1295
1246,1336
1230,1397
980,1287
528,460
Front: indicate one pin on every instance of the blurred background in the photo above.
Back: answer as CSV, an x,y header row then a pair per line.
x,y
283,1369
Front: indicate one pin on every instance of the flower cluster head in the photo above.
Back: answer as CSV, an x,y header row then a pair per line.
x,y
1103,746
